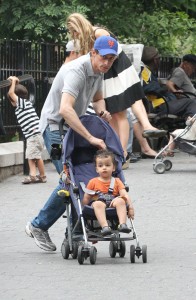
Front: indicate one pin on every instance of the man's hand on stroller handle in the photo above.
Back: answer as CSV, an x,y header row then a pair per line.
x,y
105,115
97,142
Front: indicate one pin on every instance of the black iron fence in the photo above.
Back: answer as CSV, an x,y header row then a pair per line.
x,y
42,61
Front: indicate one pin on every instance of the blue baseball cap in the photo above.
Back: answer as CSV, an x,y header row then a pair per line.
x,y
106,45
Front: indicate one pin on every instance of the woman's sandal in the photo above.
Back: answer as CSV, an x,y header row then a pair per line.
x,y
31,179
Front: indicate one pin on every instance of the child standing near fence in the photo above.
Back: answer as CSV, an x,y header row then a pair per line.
x,y
29,123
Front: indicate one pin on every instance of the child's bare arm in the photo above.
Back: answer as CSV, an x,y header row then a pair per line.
x,y
13,97
125,196
86,199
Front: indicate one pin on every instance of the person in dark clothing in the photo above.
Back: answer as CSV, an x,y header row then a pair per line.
x,y
183,107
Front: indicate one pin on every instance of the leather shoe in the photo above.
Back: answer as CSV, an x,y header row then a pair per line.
x,y
143,155
154,133
133,158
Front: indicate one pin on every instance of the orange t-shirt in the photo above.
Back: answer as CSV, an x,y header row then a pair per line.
x,y
96,184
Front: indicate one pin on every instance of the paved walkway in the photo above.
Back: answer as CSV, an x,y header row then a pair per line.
x,y
165,220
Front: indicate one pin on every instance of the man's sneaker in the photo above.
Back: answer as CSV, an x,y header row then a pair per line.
x,y
126,163
41,237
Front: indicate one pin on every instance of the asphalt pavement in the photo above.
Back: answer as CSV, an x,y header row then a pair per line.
x,y
165,209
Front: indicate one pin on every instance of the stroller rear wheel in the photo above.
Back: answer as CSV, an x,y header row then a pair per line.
x,y
65,250
168,164
144,253
93,255
113,247
81,254
132,254
74,250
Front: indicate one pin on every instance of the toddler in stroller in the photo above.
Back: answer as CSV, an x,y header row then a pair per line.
x,y
106,191
181,139
79,170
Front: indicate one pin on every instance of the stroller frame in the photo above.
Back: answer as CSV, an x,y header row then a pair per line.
x,y
78,244
161,163
79,247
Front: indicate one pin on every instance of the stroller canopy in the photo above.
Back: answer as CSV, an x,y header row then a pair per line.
x,y
98,128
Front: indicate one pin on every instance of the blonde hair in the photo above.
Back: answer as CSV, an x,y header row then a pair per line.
x,y
78,23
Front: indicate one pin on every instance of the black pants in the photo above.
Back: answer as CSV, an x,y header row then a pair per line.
x,y
182,107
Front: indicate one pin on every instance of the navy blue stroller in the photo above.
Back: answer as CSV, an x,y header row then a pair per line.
x,y
78,158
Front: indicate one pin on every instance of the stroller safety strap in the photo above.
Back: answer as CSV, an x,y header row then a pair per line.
x,y
91,192
85,190
111,188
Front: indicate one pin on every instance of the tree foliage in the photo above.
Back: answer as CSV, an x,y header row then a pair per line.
x,y
36,20
171,27
171,33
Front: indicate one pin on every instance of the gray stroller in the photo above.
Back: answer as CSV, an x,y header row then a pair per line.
x,y
184,142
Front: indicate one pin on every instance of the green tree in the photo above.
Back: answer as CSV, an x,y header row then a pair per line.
x,y
36,20
171,33
166,25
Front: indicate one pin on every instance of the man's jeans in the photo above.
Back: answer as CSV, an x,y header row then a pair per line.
x,y
55,206
53,137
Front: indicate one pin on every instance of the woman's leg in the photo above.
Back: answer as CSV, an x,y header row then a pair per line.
x,y
140,112
120,124
149,130
145,148
130,140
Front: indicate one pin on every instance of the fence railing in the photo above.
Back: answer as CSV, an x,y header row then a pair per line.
x,y
42,61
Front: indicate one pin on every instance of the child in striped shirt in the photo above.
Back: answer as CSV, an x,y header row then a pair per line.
x,y
29,123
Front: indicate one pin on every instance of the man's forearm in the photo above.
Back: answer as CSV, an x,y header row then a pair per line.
x,y
74,122
99,106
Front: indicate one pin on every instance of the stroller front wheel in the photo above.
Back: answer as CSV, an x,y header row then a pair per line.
x,y
65,250
159,168
81,254
113,247
122,249
144,254
93,255
132,254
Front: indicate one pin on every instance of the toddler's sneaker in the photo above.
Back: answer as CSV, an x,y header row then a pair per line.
x,y
124,228
106,231
41,237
